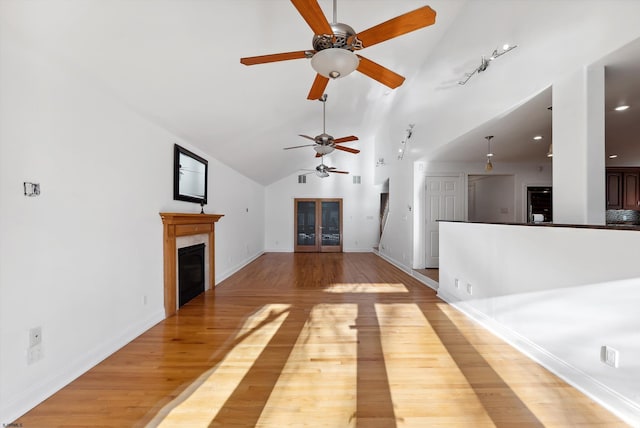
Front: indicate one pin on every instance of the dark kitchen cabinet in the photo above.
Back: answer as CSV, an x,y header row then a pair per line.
x,y
630,187
614,190
623,188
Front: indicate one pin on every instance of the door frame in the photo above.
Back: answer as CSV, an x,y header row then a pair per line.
x,y
318,247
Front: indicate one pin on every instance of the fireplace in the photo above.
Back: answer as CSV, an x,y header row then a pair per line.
x,y
177,226
191,279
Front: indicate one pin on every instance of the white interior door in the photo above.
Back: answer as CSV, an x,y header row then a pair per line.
x,y
443,202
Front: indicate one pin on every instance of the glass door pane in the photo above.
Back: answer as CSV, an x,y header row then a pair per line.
x,y
306,223
330,226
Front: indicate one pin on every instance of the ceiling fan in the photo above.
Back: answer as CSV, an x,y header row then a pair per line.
x,y
323,171
334,45
325,143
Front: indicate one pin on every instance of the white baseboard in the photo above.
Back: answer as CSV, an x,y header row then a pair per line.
x,y
408,270
19,404
236,268
394,262
357,250
613,401
425,280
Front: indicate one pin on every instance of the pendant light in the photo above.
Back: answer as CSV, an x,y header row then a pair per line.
x,y
489,165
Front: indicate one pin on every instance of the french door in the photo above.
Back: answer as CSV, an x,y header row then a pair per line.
x,y
318,225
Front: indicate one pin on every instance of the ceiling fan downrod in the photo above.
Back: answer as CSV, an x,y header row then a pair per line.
x,y
323,98
335,11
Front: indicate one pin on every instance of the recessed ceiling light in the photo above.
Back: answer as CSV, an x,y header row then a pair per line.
x,y
538,137
621,108
613,156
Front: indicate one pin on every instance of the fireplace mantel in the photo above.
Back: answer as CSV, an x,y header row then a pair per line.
x,y
179,224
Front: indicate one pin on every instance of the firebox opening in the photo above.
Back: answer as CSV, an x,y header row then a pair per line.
x,y
190,272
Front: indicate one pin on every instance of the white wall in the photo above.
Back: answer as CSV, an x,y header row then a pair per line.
x,y
493,198
360,205
83,260
559,298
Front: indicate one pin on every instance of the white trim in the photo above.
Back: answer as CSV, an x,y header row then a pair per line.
x,y
237,267
423,279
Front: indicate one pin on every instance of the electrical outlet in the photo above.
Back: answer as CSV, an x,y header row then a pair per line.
x,y
144,300
610,356
34,354
456,282
469,289
35,336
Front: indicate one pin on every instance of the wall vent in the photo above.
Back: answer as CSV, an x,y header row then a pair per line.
x,y
302,179
356,179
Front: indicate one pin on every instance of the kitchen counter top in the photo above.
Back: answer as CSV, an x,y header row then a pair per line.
x,y
612,226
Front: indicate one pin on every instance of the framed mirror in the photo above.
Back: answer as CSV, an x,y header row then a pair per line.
x,y
189,176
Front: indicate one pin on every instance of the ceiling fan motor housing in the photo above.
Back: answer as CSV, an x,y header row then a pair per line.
x,y
343,37
324,139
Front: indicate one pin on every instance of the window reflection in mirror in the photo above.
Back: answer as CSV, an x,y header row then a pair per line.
x,y
190,176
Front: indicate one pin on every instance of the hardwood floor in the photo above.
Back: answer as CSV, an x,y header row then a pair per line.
x,y
331,340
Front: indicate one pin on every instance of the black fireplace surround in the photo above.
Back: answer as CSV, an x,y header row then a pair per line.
x,y
190,272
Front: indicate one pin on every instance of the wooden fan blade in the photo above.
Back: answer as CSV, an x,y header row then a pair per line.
x,y
347,149
311,12
339,172
379,73
285,56
345,139
318,87
307,137
318,155
297,147
398,26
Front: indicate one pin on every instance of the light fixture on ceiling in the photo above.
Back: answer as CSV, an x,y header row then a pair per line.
x,y
323,150
621,108
550,151
322,173
403,143
335,57
489,165
484,62
335,62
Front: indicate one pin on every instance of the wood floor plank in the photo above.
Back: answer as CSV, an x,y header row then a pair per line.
x,y
318,340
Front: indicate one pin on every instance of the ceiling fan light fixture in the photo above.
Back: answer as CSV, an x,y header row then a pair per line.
x,y
324,150
335,63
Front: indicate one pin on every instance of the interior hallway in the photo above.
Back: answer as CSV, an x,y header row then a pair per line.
x,y
336,340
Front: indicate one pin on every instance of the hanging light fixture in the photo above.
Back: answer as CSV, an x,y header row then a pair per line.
x,y
335,56
335,62
489,165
